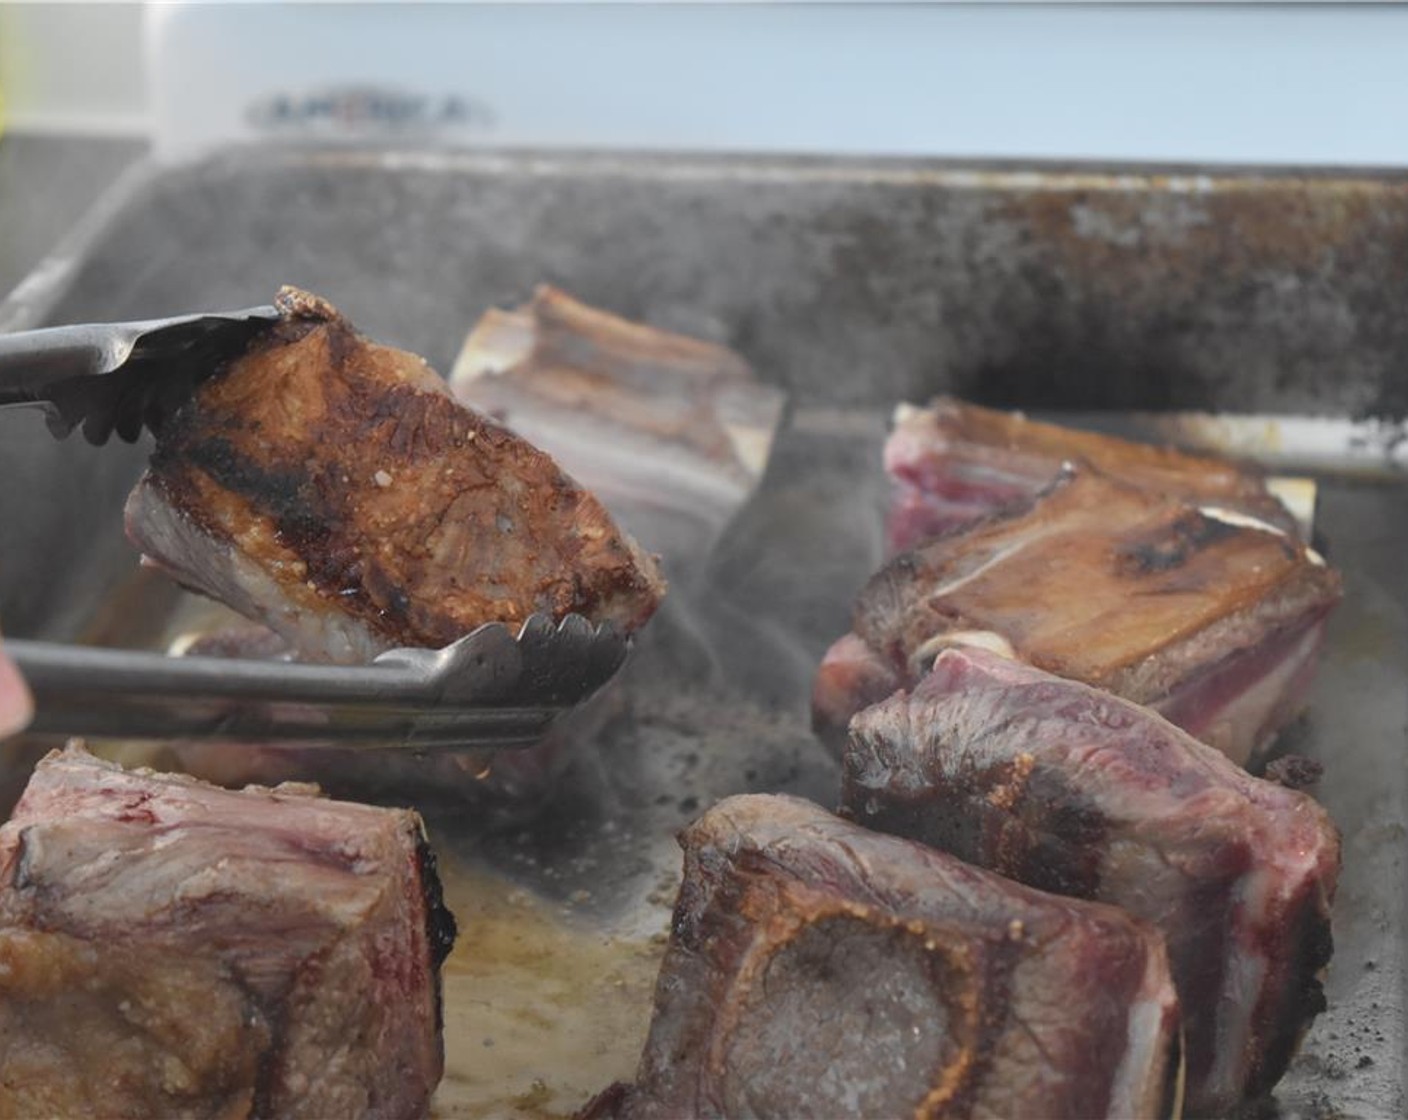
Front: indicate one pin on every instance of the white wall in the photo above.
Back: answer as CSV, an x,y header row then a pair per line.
x,y
73,68
1196,83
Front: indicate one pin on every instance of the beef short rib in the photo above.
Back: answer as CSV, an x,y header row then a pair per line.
x,y
672,433
333,489
1212,618
1069,789
172,949
817,969
954,463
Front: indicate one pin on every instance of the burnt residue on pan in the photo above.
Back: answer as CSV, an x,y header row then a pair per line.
x,y
845,283
1130,287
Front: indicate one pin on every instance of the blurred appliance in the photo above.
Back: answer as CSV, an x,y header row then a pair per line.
x,y
1203,83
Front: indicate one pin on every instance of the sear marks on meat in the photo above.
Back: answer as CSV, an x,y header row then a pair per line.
x,y
817,969
955,463
1211,618
1072,790
172,949
333,489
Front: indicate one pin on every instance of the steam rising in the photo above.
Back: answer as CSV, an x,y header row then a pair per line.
x,y
753,607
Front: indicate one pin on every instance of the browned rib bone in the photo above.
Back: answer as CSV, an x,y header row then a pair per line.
x,y
172,949
817,969
1069,789
333,489
954,463
1212,620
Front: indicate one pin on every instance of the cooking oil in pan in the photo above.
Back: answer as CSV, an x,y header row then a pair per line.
x,y
543,1009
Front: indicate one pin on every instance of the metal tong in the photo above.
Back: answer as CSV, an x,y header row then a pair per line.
x,y
121,377
489,688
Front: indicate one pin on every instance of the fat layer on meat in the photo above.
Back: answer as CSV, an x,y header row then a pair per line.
x,y
1069,789
818,969
172,949
333,489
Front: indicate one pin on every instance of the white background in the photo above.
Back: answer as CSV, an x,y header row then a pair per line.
x,y
1219,83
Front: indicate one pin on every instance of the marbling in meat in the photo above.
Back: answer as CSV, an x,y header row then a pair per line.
x,y
1210,617
172,949
1072,790
954,463
818,969
335,490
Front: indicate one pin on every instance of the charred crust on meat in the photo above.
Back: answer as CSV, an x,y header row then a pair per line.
x,y
1170,546
1053,843
441,928
285,491
292,500
346,475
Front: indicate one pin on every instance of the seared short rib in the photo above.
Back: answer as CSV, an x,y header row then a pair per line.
x,y
955,463
172,949
1072,790
333,489
1212,618
817,969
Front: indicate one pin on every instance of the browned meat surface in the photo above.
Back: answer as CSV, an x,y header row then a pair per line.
x,y
1211,619
817,969
954,463
334,489
1071,790
172,949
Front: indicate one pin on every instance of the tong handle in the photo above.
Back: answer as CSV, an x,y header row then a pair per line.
x,y
33,362
489,689
129,694
120,376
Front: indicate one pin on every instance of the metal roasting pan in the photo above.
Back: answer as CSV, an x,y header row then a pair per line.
x,y
1112,291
